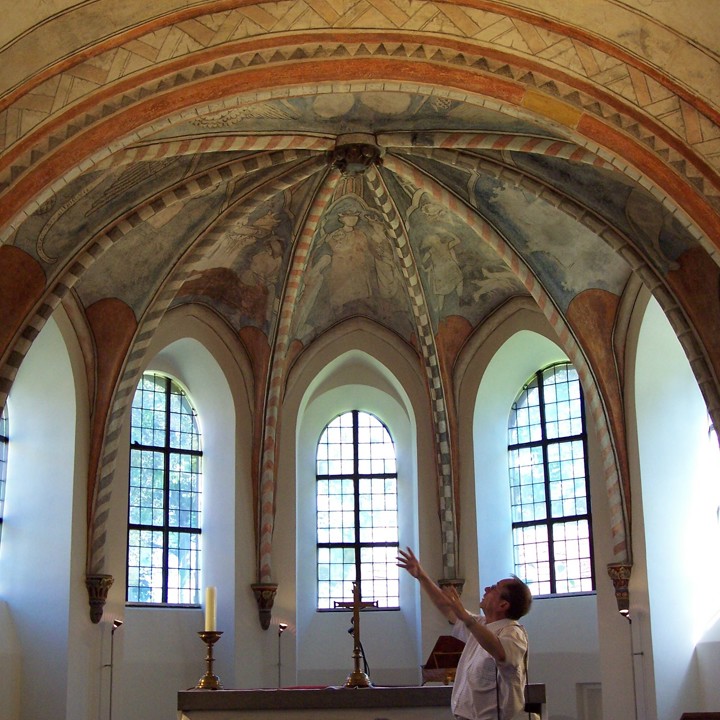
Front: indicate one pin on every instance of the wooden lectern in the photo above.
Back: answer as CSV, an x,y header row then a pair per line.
x,y
443,660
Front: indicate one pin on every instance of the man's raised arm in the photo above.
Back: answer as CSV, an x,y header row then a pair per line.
x,y
407,560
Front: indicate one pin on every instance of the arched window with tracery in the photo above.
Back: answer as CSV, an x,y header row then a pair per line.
x,y
357,512
550,498
164,509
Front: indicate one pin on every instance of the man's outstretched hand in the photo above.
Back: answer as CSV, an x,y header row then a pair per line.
x,y
406,559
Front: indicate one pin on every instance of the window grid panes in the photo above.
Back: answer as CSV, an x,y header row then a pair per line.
x,y
164,511
357,512
549,495
4,441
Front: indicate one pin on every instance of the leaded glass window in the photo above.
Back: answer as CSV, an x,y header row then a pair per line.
x,y
550,499
357,512
165,492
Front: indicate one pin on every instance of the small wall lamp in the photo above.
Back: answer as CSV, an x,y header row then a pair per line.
x,y
282,627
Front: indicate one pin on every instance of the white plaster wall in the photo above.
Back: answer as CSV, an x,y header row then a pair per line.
x,y
564,631
385,379
684,597
157,650
390,638
39,579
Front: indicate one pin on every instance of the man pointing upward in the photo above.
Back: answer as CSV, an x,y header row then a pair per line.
x,y
491,675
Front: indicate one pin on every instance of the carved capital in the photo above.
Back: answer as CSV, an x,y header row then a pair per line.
x,y
98,587
457,583
354,153
620,575
265,597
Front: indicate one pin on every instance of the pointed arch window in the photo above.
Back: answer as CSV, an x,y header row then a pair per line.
x,y
4,444
357,512
550,499
163,560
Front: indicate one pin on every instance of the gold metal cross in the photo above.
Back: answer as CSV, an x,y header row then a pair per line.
x,y
357,677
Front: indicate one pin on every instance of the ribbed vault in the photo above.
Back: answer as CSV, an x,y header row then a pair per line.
x,y
292,180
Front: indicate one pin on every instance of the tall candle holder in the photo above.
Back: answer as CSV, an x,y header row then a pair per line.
x,y
209,681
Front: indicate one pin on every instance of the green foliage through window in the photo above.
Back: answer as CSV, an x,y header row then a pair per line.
x,y
164,510
357,512
549,494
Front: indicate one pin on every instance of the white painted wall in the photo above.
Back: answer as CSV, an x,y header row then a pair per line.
x,y
679,509
390,638
576,642
158,650
42,551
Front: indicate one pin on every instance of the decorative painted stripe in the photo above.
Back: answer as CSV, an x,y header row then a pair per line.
x,y
443,444
505,251
494,141
153,316
280,342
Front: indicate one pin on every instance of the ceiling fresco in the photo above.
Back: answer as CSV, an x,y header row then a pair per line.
x,y
257,210
420,168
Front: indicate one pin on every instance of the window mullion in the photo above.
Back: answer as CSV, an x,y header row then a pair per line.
x,y
546,479
166,494
356,494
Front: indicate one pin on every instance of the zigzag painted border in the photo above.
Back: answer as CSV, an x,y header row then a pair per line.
x,y
426,339
133,367
628,84
566,339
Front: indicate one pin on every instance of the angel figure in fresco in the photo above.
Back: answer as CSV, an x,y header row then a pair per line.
x,y
381,248
240,235
264,265
441,265
348,277
493,280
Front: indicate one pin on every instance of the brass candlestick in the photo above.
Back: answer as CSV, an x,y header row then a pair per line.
x,y
209,681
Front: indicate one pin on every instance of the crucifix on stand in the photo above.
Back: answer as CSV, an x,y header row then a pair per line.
x,y
357,677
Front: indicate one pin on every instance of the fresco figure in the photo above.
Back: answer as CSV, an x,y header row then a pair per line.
x,y
494,281
241,236
441,265
381,248
348,277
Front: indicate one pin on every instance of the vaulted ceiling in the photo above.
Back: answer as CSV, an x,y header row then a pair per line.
x,y
419,164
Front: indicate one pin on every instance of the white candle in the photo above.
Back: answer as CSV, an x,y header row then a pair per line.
x,y
210,609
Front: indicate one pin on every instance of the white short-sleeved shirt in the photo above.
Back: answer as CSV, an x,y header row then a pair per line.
x,y
478,686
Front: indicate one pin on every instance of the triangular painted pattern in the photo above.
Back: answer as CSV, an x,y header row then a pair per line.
x,y
484,28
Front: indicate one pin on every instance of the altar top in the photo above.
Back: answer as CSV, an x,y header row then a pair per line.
x,y
316,698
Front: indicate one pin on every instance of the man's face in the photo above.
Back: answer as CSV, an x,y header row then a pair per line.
x,y
493,600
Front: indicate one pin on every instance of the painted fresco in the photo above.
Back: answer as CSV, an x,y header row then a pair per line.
x,y
134,269
352,270
84,207
630,208
461,274
336,113
565,253
242,275
353,266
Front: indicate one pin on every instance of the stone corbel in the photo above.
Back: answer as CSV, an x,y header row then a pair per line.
x,y
265,597
457,583
98,587
620,575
